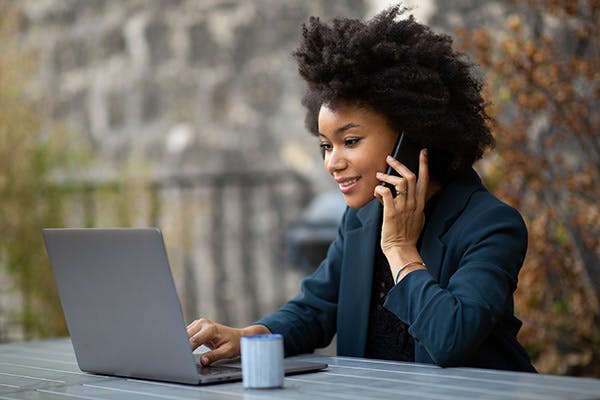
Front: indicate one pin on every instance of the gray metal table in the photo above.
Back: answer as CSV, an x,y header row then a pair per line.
x,y
48,370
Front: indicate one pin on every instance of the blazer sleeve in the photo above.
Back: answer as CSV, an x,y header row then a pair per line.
x,y
484,252
308,321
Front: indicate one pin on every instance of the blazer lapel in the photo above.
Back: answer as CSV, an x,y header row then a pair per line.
x,y
356,281
453,200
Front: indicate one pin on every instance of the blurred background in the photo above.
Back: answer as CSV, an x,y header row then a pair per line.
x,y
186,115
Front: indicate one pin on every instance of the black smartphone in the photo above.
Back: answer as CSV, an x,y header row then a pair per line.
x,y
407,152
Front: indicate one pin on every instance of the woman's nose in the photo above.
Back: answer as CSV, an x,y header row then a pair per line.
x,y
335,161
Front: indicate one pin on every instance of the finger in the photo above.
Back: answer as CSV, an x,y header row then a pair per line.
x,y
409,177
192,329
377,196
401,189
400,168
385,196
225,351
196,341
423,181
206,335
195,326
191,324
393,180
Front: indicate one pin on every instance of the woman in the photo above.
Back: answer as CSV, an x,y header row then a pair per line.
x,y
428,275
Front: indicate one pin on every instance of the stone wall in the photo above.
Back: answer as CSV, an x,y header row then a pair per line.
x,y
189,86
183,87
177,85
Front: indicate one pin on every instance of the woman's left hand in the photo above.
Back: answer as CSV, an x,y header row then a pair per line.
x,y
403,216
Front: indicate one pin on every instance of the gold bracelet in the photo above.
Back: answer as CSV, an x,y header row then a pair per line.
x,y
407,265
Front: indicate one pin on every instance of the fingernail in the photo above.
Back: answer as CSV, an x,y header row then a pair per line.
x,y
379,175
426,152
204,360
390,158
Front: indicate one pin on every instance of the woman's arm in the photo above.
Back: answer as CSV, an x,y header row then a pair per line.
x,y
309,321
306,322
484,250
452,321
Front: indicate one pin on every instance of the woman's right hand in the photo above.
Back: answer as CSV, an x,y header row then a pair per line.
x,y
403,216
223,341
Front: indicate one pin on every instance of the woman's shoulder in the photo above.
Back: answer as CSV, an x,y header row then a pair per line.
x,y
482,206
483,201
484,209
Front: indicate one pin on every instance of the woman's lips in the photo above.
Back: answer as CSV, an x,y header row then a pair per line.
x,y
346,185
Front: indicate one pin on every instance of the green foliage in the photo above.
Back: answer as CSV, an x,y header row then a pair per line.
x,y
37,161
27,203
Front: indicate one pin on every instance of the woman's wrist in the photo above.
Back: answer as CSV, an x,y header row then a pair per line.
x,y
399,256
408,268
255,330
403,260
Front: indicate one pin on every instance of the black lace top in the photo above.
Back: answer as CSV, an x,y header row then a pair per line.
x,y
388,336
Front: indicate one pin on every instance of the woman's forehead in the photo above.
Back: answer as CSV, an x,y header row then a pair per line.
x,y
348,113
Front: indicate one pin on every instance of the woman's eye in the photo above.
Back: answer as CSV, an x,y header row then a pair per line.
x,y
324,147
351,141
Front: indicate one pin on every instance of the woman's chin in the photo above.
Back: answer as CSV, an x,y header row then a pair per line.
x,y
356,202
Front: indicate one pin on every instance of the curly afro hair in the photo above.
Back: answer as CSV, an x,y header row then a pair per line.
x,y
407,73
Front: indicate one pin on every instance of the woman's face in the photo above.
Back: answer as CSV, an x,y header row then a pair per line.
x,y
355,141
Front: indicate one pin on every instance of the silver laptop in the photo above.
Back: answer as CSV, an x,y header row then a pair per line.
x,y
122,308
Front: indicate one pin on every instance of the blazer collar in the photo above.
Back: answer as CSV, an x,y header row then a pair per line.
x,y
453,200
368,214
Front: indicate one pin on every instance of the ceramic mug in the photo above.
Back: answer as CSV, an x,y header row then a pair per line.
x,y
262,361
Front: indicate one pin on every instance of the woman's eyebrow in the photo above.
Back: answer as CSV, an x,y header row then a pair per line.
x,y
342,128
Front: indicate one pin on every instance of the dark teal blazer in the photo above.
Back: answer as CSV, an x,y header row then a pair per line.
x,y
459,311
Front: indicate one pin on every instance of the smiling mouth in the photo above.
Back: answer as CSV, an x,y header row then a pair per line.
x,y
347,183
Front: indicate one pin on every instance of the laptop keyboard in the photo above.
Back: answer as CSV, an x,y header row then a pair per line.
x,y
216,370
